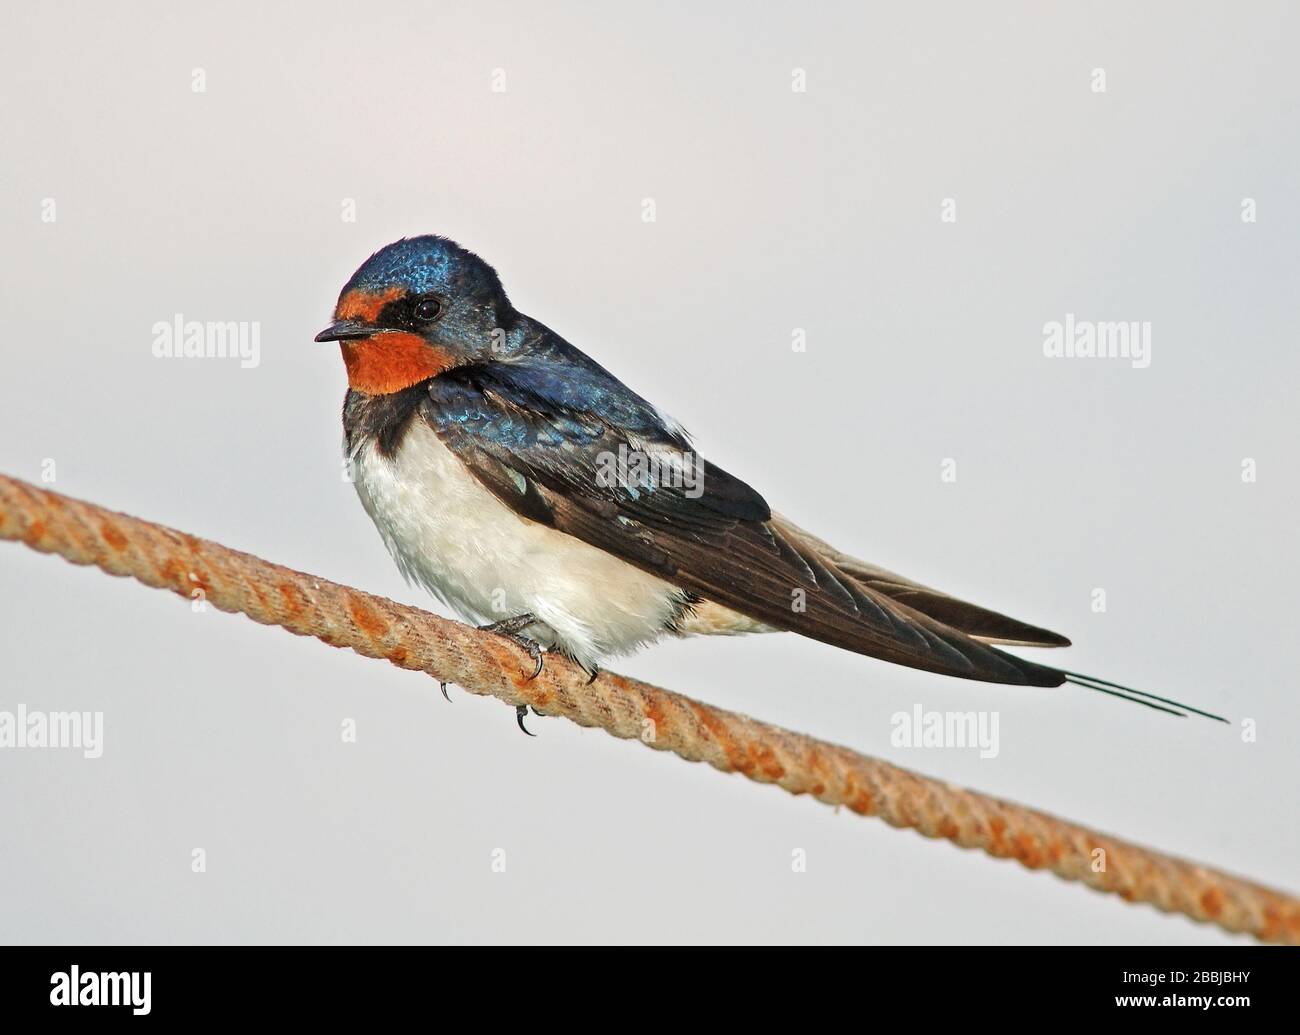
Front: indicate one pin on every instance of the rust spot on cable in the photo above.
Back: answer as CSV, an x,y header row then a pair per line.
x,y
718,729
505,658
862,803
1212,901
1277,927
654,711
510,665
293,598
365,617
768,764
850,786
1026,850
112,535
35,532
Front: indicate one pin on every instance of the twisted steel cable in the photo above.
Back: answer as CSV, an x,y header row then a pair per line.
x,y
484,663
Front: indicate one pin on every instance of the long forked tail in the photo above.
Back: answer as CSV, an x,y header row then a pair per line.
x,y
1127,693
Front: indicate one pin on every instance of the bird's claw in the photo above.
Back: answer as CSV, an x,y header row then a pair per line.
x,y
443,687
511,629
534,652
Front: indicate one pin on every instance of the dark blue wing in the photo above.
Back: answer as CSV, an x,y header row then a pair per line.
x,y
543,436
540,424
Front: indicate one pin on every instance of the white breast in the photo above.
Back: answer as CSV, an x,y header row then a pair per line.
x,y
451,535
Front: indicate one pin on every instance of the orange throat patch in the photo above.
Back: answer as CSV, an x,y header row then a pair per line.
x,y
390,361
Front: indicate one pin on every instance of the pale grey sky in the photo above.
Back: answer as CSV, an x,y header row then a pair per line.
x,y
774,210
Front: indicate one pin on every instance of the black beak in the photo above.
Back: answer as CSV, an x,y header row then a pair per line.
x,y
345,330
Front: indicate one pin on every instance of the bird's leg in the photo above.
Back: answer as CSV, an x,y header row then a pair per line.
x,y
511,628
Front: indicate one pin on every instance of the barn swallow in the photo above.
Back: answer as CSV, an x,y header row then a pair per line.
x,y
525,485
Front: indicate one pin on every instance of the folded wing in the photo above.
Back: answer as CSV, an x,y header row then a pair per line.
x,y
702,529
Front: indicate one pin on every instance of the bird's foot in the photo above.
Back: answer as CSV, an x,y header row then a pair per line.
x,y
511,629
521,713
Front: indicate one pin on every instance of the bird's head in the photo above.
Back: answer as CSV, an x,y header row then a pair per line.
x,y
414,309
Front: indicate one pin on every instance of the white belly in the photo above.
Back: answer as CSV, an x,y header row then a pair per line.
x,y
450,534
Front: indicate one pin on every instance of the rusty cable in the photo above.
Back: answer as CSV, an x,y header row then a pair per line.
x,y
483,663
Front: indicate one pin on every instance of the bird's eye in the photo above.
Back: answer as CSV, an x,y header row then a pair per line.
x,y
428,309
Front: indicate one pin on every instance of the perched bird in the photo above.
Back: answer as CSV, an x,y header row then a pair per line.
x,y
526,486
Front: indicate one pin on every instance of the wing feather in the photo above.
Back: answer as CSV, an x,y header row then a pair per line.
x,y
543,459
